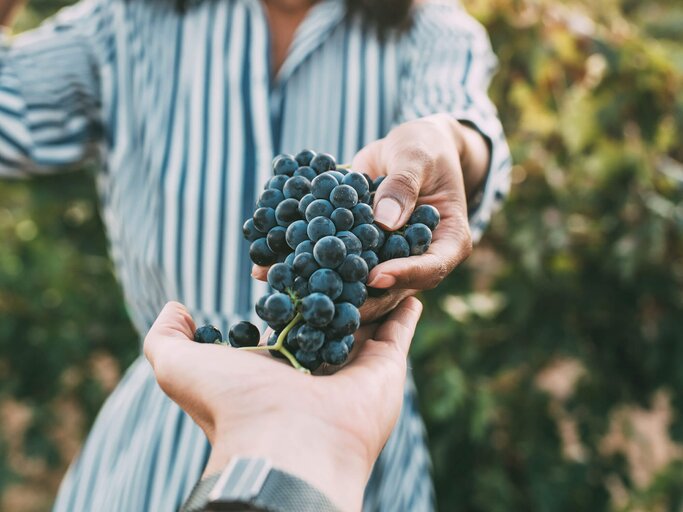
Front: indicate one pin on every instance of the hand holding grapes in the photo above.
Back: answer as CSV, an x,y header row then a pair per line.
x,y
436,161
328,431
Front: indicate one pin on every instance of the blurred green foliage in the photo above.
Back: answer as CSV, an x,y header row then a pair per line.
x,y
549,365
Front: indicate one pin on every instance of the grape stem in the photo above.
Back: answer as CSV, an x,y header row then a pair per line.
x,y
279,345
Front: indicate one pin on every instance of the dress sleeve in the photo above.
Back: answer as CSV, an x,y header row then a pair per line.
x,y
50,115
448,68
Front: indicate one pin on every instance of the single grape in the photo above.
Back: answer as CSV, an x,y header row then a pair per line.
x,y
419,237
320,227
337,176
344,196
342,171
296,233
270,198
304,157
317,309
378,181
280,277
371,183
425,214
310,338
287,212
260,253
291,343
335,352
305,264
353,269
348,341
355,293
368,236
309,360
277,182
326,281
303,204
277,241
382,235
285,164
395,247
362,214
370,258
358,182
289,260
351,242
323,162
208,334
300,287
306,172
264,219
260,307
280,309
322,186
244,334
346,320
250,232
305,246
342,218
296,187
329,251
319,208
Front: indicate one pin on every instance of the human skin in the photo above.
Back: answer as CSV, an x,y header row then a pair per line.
x,y
328,430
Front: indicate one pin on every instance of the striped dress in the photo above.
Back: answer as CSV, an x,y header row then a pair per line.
x,y
184,114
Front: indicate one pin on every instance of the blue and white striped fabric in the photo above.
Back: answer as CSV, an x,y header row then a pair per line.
x,y
185,116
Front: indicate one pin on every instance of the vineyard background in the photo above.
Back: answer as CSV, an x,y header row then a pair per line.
x,y
550,365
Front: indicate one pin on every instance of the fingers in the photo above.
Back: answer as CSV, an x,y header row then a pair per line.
x,y
375,308
396,197
173,322
366,160
260,273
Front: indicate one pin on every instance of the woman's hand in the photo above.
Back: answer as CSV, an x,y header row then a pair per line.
x,y
437,161
327,430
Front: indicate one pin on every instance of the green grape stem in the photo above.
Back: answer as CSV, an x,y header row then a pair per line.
x,y
279,345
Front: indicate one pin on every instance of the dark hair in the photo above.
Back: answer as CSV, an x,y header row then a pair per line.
x,y
384,14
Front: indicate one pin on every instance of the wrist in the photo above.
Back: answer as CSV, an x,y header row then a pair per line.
x,y
331,461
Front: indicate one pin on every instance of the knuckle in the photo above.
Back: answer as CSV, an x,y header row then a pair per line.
x,y
407,181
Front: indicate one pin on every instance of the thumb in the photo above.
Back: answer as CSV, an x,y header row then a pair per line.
x,y
396,197
173,322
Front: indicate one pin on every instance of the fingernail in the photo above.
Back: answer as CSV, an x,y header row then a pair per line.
x,y
382,281
387,212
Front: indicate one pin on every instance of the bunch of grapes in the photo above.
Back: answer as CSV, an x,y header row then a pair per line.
x,y
314,227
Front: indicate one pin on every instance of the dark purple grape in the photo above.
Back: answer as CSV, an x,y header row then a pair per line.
x,y
284,165
287,212
279,308
277,182
362,214
323,162
342,218
270,198
326,281
277,241
304,157
335,352
355,293
296,187
250,232
306,172
358,182
370,258
319,208
320,227
244,334
260,253
208,334
309,360
368,236
280,277
395,247
353,269
322,186
296,233
305,246
317,309
305,264
346,320
351,242
310,338
425,214
419,237
344,196
329,252
264,219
